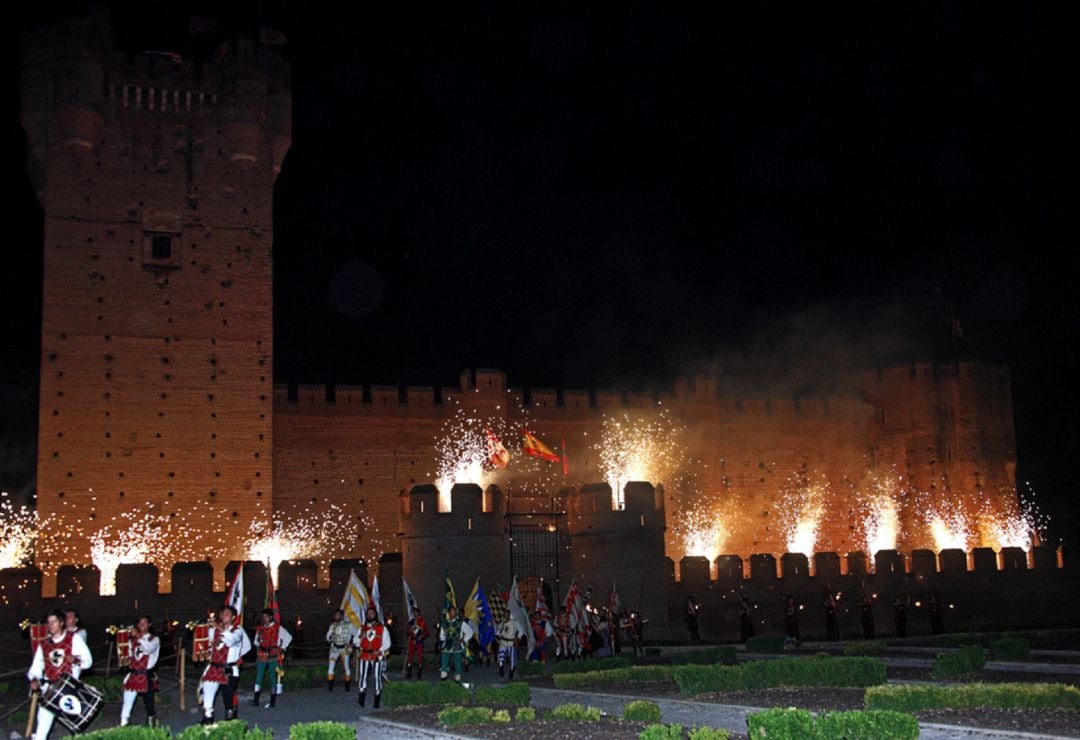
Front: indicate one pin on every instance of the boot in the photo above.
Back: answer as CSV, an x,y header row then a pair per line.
x,y
360,699
500,670
330,684
348,683
255,699
408,670
230,714
378,695
511,674
207,720
419,671
273,701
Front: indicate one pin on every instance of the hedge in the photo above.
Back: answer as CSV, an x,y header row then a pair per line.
x,y
767,674
511,693
642,710
575,712
865,647
525,714
589,664
916,698
661,732
322,731
709,733
528,668
799,724
419,693
235,729
765,644
454,716
633,674
968,659
1034,637
1010,648
724,654
131,732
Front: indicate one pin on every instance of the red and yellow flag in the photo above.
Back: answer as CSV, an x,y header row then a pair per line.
x,y
532,446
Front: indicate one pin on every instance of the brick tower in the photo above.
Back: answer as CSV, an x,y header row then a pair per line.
x,y
155,175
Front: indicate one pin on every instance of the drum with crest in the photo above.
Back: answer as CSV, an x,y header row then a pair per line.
x,y
201,648
74,703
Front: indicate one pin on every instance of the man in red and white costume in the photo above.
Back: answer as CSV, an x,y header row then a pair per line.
x,y
374,644
228,643
145,647
418,632
62,652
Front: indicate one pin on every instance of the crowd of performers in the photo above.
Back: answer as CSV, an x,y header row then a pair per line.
x,y
61,654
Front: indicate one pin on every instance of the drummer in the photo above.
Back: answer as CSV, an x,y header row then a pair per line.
x,y
63,652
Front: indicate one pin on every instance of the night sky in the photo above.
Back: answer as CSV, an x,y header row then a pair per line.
x,y
609,197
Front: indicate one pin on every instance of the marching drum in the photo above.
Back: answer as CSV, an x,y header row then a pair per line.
x,y
200,650
73,702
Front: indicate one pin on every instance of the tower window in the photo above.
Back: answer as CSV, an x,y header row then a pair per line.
x,y
161,247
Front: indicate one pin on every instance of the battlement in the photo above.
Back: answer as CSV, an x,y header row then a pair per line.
x,y
488,387
472,510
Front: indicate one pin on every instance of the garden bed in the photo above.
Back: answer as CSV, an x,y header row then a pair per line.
x,y
540,729
1063,722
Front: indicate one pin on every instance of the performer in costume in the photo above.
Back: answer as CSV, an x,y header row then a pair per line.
x,y
542,630
229,643
73,622
507,634
62,652
340,637
374,644
145,648
564,635
418,632
454,634
271,640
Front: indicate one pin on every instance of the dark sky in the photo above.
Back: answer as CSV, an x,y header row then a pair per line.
x,y
610,196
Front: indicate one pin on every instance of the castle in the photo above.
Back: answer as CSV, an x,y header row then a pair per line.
x,y
156,178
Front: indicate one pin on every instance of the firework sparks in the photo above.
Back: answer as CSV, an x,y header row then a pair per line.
x,y
800,517
18,528
636,450
309,535
881,517
703,534
950,530
462,453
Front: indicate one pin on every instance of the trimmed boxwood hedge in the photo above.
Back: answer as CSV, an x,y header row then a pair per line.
x,y
919,697
420,693
865,647
968,659
633,674
322,731
589,664
642,710
765,644
767,674
799,724
1010,648
724,654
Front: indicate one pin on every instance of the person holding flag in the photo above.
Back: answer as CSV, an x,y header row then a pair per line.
x,y
271,640
228,643
541,626
374,644
519,615
454,634
418,632
478,612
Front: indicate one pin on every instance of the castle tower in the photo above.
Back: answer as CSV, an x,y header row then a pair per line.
x,y
155,175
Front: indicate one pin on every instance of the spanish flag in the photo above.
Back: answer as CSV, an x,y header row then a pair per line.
x,y
533,447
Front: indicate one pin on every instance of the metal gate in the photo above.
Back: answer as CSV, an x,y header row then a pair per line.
x,y
535,545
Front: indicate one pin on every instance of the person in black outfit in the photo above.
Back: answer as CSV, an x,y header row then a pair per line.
x,y
866,616
937,626
692,606
791,622
832,620
900,616
746,620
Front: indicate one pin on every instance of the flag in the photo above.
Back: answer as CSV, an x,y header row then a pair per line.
x,y
375,599
519,614
614,603
449,600
270,602
410,601
499,612
355,601
478,611
234,596
575,607
541,603
533,447
498,455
